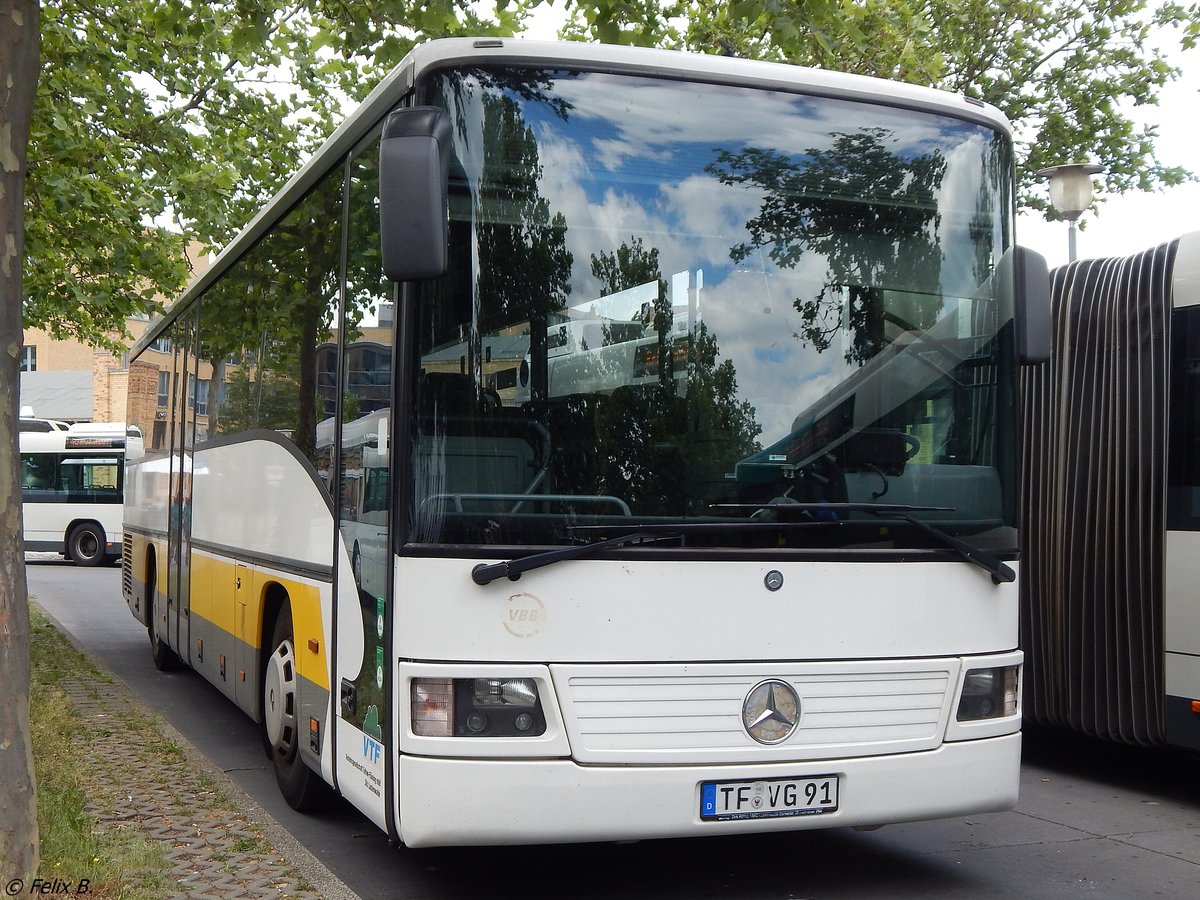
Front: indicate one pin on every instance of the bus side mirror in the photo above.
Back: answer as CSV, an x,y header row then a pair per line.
x,y
414,166
1023,276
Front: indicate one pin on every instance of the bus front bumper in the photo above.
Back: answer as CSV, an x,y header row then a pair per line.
x,y
444,802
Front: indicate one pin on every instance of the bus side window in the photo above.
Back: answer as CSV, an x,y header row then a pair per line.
x,y
37,472
1183,441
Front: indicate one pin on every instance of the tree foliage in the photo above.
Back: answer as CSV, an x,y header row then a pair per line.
x,y
160,122
1065,72
865,220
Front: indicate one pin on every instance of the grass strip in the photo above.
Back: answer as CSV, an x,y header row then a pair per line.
x,y
117,862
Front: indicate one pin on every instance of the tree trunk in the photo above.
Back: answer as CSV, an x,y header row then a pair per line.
x,y
18,800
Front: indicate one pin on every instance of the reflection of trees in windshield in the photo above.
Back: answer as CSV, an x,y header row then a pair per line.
x,y
870,213
667,447
632,265
523,266
271,313
984,235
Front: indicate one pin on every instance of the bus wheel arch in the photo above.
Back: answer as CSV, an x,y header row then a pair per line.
x,y
302,788
86,543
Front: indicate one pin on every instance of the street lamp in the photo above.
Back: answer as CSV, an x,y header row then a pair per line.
x,y
1071,194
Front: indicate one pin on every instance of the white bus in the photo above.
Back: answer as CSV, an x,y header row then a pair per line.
x,y
766,586
71,489
1111,625
610,342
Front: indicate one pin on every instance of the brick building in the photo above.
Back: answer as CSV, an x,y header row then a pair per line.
x,y
76,382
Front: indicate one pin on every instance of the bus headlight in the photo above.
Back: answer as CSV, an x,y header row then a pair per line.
x,y
988,694
476,707
504,692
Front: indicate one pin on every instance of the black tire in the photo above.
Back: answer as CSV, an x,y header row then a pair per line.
x,y
85,544
165,659
302,788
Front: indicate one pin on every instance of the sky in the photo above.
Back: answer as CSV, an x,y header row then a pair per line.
x,y
1123,224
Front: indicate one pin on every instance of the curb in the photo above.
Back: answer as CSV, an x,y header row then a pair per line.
x,y
204,844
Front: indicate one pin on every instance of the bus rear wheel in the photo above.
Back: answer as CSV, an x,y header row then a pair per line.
x,y
302,788
85,544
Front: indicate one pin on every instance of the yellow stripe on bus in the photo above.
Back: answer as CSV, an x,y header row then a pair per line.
x,y
214,597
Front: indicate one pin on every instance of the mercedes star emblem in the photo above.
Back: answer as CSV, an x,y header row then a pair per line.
x,y
771,711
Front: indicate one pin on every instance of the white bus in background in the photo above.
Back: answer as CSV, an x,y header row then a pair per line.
x,y
630,602
72,483
1110,610
612,342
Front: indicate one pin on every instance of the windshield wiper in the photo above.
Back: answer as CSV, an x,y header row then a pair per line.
x,y
1001,571
486,573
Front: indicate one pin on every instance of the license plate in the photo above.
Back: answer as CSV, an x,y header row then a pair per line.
x,y
772,798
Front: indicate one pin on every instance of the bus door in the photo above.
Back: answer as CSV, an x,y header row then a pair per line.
x,y
180,498
362,665
361,668
246,691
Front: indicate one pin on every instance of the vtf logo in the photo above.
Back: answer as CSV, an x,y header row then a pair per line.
x,y
372,749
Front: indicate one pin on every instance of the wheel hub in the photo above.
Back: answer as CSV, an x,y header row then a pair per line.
x,y
279,696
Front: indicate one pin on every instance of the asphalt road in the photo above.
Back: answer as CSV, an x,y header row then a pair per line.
x,y
1094,820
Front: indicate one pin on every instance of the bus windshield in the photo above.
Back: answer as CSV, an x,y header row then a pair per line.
x,y
680,304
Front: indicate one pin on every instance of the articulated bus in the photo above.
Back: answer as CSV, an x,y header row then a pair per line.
x,y
1111,623
601,443
71,488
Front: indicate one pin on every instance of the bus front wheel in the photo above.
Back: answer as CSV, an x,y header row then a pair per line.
x,y
302,788
165,659
85,544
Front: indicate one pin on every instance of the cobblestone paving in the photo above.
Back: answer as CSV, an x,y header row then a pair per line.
x,y
215,850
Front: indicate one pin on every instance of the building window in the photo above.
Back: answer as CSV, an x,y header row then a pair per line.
x,y
202,397
29,359
164,388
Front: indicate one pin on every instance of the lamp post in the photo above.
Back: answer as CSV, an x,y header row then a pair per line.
x,y
1071,194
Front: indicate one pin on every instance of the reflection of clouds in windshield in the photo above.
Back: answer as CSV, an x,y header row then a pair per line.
x,y
630,164
709,211
651,115
644,119
613,154
958,201
754,322
692,223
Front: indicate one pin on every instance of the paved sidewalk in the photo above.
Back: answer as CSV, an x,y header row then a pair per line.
x,y
220,843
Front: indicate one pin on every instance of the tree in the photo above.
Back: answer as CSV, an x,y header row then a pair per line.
x,y
159,122
857,205
657,446
18,810
1059,69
